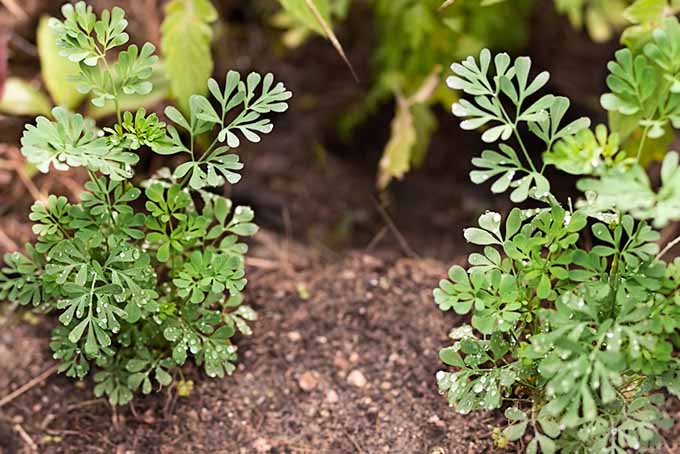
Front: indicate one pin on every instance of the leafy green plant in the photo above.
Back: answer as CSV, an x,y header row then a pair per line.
x,y
649,64
574,311
186,35
141,279
643,16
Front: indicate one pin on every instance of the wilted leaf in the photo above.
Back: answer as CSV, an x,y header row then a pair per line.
x,y
396,157
411,128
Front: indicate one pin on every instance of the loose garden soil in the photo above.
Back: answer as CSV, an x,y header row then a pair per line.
x,y
342,360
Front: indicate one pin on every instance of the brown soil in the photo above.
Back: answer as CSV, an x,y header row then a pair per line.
x,y
363,316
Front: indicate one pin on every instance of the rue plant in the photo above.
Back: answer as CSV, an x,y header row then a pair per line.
x,y
141,279
574,310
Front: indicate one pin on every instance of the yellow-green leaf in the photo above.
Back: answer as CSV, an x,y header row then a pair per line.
x,y
396,158
412,127
643,11
186,35
21,98
55,69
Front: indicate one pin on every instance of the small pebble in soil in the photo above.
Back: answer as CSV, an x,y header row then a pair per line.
x,y
308,381
371,261
332,397
395,358
436,420
294,336
340,363
262,445
348,275
356,378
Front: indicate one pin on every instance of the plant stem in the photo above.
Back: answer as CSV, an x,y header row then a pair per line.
x,y
58,224
642,143
109,207
113,89
519,139
524,150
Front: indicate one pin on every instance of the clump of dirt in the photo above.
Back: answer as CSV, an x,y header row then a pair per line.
x,y
343,360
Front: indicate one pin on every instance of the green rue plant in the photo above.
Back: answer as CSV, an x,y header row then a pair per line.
x,y
574,311
141,279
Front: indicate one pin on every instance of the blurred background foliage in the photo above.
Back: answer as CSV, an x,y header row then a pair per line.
x,y
413,42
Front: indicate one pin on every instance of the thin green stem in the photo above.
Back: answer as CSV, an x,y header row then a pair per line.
x,y
58,224
208,151
519,138
642,143
113,88
524,150
107,199
615,270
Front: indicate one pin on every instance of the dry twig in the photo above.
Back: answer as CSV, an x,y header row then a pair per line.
x,y
26,387
406,248
14,8
26,438
6,242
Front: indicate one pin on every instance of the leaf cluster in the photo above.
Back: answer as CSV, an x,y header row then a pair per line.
x,y
573,311
141,279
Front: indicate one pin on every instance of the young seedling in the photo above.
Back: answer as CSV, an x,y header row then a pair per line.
x,y
574,311
140,279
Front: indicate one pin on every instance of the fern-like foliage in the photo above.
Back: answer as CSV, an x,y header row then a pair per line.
x,y
141,279
574,315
